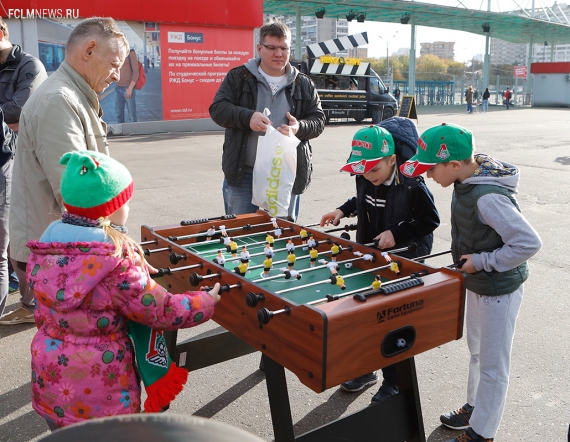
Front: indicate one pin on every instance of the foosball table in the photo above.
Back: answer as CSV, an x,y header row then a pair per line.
x,y
324,307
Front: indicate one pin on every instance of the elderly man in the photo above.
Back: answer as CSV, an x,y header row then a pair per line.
x,y
20,75
268,81
63,115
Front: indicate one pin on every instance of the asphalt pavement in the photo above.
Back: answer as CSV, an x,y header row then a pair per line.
x,y
178,176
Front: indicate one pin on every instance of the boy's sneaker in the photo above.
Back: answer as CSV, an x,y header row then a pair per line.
x,y
360,383
470,436
457,419
18,316
386,391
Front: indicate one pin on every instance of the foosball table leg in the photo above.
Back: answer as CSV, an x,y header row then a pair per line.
x,y
278,400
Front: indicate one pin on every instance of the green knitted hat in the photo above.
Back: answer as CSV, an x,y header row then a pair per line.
x,y
94,184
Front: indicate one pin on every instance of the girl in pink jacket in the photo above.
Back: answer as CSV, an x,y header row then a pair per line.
x,y
92,288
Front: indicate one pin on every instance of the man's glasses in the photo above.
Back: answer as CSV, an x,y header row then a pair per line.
x,y
274,48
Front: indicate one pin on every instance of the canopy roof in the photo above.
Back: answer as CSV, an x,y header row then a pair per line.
x,y
505,26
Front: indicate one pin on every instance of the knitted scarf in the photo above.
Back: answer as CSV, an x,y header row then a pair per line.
x,y
162,379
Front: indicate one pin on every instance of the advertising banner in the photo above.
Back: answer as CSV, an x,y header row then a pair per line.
x,y
195,60
519,71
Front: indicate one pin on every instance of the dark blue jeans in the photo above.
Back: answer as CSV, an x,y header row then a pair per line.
x,y
121,100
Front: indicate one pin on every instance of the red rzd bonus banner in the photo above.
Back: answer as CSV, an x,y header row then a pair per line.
x,y
195,60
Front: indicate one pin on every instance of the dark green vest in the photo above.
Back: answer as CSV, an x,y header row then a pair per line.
x,y
469,236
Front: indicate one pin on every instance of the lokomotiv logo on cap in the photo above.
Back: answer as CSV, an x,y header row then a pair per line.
x,y
364,144
359,167
443,153
409,168
385,148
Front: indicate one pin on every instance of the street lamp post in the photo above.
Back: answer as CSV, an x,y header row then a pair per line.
x,y
387,58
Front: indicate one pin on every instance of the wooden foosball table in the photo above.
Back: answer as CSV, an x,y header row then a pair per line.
x,y
323,317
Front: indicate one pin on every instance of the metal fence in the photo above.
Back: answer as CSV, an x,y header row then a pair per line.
x,y
434,93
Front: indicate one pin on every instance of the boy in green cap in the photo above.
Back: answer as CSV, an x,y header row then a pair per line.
x,y
494,240
392,209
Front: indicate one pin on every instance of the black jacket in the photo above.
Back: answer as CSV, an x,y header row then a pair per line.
x,y
19,77
234,105
7,142
410,214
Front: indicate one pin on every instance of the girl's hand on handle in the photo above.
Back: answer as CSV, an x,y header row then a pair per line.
x,y
214,292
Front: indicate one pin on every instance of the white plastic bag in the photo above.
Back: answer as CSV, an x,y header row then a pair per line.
x,y
274,171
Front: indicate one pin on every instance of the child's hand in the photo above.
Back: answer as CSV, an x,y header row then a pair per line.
x,y
333,218
150,268
468,265
385,240
214,292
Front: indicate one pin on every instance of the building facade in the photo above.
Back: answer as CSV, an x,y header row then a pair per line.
x,y
442,49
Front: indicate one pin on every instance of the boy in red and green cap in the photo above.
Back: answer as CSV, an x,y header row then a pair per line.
x,y
392,209
492,237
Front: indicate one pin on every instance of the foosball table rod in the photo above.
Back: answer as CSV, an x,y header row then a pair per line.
x,y
291,229
298,259
264,315
301,272
148,252
195,235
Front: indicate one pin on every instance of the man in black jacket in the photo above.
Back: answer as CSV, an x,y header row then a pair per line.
x,y
268,81
20,75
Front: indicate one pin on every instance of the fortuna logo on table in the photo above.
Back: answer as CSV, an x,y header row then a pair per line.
x,y
272,192
396,312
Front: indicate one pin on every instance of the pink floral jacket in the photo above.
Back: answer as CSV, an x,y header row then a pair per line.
x,y
82,358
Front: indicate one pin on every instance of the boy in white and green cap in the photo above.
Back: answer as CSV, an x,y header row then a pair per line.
x,y
494,240
392,209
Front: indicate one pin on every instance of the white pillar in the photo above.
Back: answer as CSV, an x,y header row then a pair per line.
x,y
412,67
298,49
486,62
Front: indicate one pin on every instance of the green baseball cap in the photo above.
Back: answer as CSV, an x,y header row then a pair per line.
x,y
369,146
439,144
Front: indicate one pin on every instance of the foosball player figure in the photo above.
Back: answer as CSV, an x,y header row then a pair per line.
x,y
291,260
377,282
268,250
274,221
311,242
226,239
335,250
336,279
220,259
290,246
393,264
313,256
408,214
233,247
223,230
241,269
267,263
278,232
244,255
210,232
269,238
304,235
291,273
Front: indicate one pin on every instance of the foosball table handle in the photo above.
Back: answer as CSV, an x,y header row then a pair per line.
x,y
189,222
413,280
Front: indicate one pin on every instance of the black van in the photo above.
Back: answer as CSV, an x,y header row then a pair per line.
x,y
357,97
